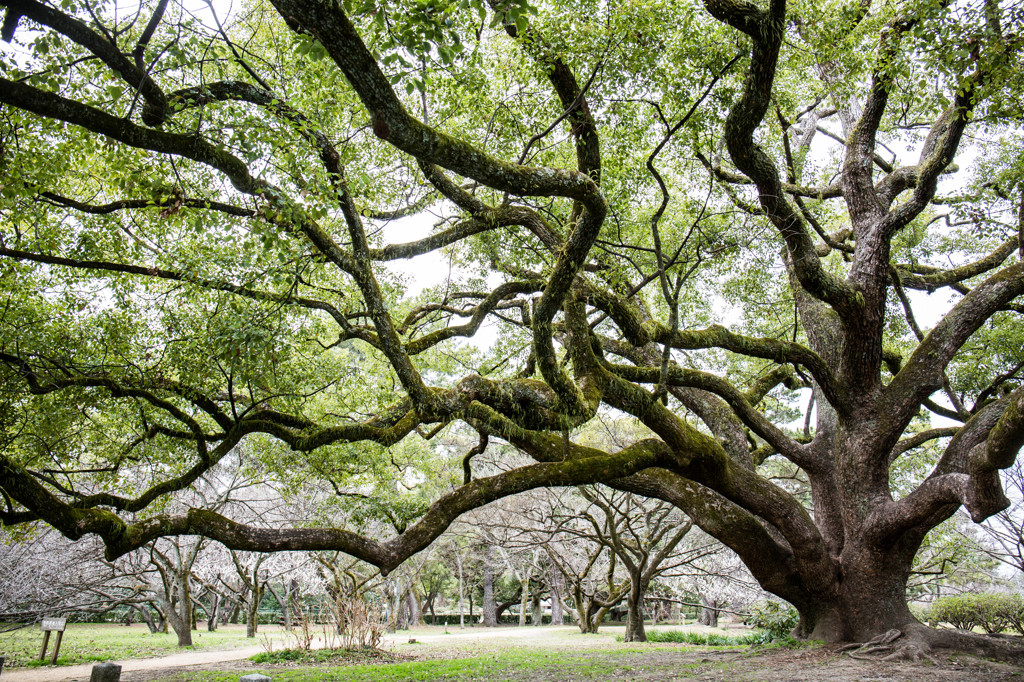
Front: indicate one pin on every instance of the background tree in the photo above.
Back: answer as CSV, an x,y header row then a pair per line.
x,y
43,574
1005,530
456,552
174,560
488,605
434,579
249,568
714,578
557,523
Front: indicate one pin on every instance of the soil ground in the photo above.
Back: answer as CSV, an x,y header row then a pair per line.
x,y
602,657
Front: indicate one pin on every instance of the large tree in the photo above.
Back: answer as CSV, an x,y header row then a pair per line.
x,y
196,251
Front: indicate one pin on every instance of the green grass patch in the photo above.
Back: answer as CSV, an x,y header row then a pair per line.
x,y
511,664
87,643
700,638
321,656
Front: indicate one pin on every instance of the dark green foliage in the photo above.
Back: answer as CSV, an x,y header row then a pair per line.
x,y
703,638
278,656
992,612
775,620
318,656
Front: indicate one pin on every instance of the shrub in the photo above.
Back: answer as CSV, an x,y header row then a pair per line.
x,y
283,656
992,612
775,620
1013,612
919,611
957,610
360,625
318,656
700,638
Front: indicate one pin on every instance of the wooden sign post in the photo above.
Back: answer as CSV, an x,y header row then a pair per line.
x,y
52,625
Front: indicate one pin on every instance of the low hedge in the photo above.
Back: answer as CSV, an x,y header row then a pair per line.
x,y
991,611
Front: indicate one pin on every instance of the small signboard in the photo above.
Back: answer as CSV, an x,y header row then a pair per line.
x,y
52,625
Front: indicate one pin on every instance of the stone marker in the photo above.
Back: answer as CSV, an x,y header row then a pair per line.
x,y
254,677
106,672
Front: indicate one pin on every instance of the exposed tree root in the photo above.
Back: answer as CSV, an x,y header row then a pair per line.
x,y
887,644
915,642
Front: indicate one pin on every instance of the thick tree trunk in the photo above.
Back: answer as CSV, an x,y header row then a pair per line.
x,y
252,616
557,611
635,614
181,629
489,608
596,615
403,620
415,608
588,614
399,608
214,613
635,622
178,612
500,610
555,592
282,602
870,600
536,611
709,614
187,614
294,603
585,619
394,602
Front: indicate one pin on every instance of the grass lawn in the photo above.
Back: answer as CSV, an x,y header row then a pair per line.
x,y
537,664
84,643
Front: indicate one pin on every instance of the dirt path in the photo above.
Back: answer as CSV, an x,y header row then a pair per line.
x,y
82,672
